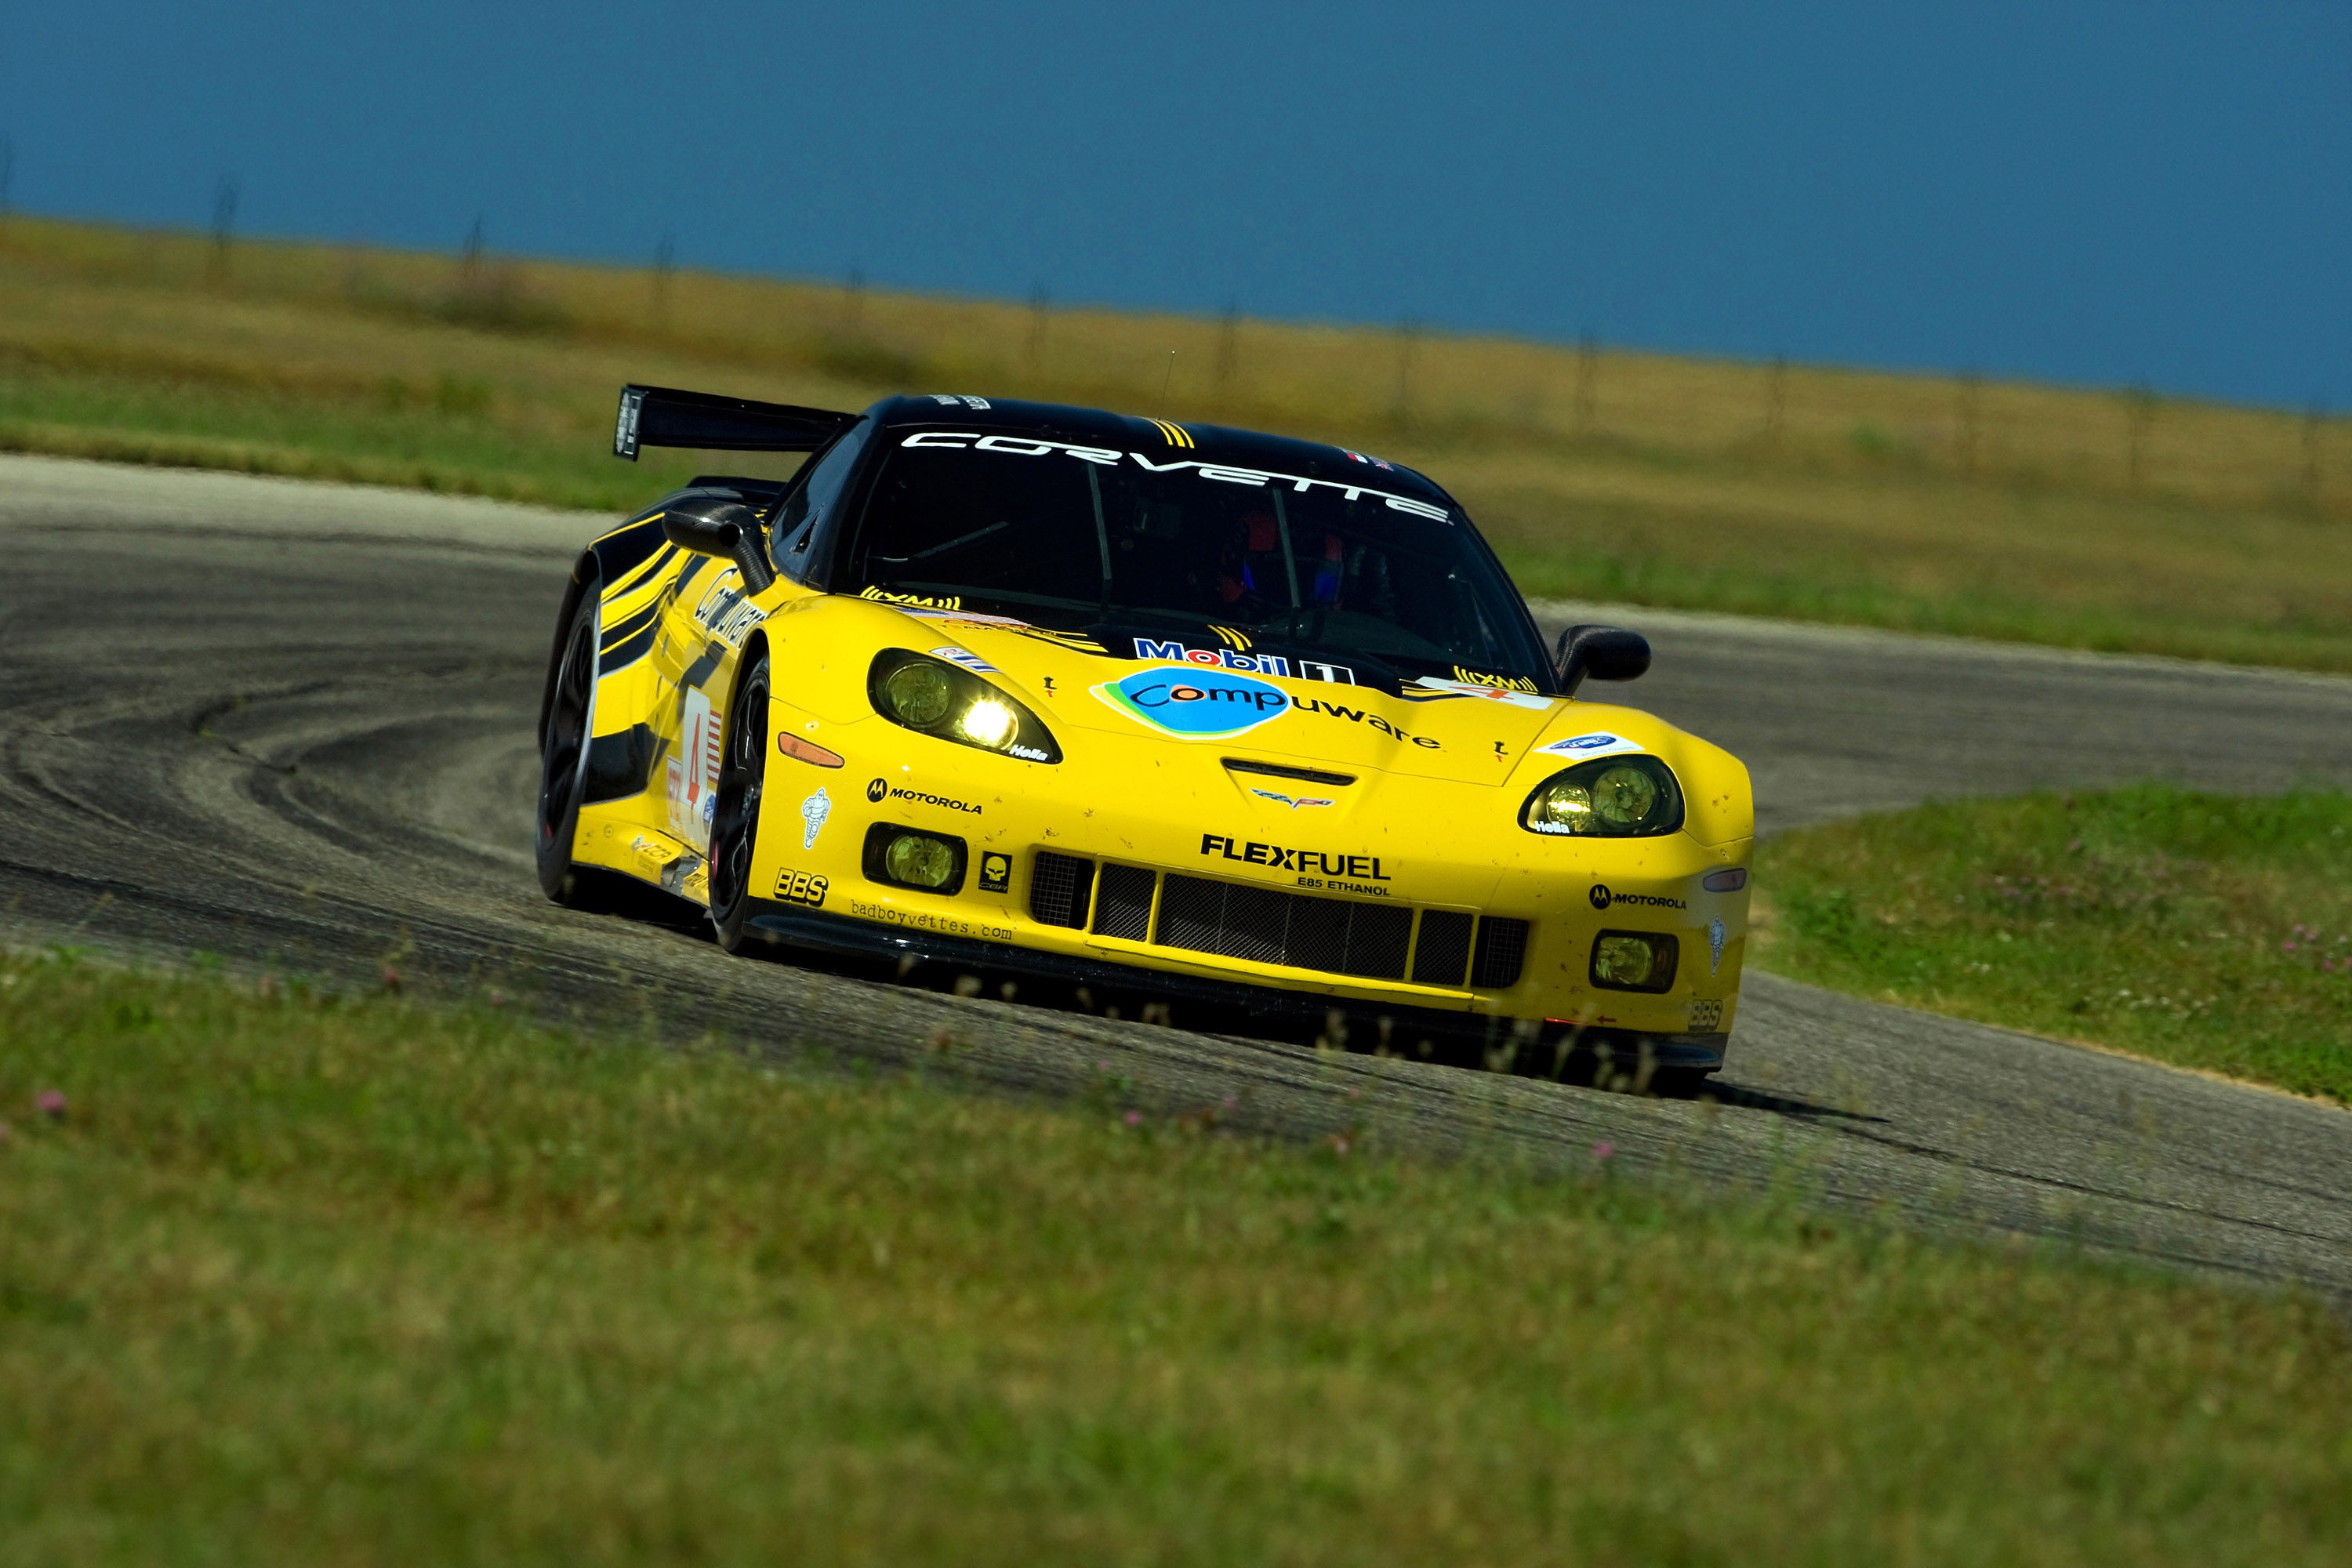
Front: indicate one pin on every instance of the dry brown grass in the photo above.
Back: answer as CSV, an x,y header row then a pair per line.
x,y
2094,518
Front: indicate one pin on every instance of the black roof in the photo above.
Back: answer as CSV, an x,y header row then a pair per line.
x,y
1128,432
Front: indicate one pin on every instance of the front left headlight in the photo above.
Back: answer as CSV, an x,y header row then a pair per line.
x,y
1610,797
948,702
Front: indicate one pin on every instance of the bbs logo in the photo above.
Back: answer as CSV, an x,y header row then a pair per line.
x,y
801,888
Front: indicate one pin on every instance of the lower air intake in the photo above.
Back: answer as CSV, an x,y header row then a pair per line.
x,y
1058,885
1123,907
1502,950
1445,949
1337,936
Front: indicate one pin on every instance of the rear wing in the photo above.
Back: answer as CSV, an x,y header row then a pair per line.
x,y
665,416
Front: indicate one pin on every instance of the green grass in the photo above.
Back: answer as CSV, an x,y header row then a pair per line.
x,y
2208,931
295,1279
1999,510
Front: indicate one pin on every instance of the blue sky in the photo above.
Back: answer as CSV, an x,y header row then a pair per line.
x,y
2089,192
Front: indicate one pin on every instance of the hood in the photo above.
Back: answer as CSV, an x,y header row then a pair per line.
x,y
1462,731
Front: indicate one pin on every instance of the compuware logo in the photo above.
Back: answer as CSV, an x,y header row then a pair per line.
x,y
1195,703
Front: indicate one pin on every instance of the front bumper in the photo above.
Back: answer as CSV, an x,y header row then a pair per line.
x,y
1240,895
1402,1029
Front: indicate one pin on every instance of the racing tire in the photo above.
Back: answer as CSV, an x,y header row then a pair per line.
x,y
563,755
1682,1083
735,814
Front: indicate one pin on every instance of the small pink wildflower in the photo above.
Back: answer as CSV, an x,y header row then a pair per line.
x,y
1135,1119
50,1104
1601,1151
1230,1102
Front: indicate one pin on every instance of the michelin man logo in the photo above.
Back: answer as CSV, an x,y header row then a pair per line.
x,y
1715,939
813,811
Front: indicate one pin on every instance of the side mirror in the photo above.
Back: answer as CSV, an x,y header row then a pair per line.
x,y
727,529
1603,653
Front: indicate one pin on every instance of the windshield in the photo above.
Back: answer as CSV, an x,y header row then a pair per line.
x,y
1091,537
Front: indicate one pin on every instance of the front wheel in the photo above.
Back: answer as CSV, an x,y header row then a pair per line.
x,y
735,814
563,754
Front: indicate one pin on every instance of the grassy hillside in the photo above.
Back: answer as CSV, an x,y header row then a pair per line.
x,y
2081,517
290,1278
2212,932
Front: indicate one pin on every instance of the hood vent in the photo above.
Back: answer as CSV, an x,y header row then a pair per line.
x,y
1277,771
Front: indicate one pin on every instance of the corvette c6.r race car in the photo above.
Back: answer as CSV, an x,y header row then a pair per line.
x,y
1189,714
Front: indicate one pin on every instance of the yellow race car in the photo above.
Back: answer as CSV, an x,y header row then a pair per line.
x,y
1187,714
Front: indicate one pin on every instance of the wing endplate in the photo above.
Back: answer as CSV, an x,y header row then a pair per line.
x,y
666,417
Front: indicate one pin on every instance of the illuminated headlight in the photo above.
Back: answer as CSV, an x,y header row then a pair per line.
x,y
1634,960
950,702
988,722
1611,797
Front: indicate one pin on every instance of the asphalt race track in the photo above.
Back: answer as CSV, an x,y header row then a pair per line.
x,y
291,725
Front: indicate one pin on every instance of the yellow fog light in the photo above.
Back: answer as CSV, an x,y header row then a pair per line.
x,y
1635,960
1623,960
918,694
1623,796
988,722
919,862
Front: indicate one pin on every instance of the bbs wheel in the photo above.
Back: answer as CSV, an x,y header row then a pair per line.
x,y
735,814
563,754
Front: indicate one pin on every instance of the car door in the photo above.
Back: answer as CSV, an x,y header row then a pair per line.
x,y
709,615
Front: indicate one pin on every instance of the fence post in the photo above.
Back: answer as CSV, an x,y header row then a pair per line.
x,y
469,256
1972,391
1041,310
1229,350
1408,337
2139,406
223,224
1588,376
2313,419
665,264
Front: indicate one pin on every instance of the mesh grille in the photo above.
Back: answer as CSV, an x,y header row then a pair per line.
x,y
1502,949
1123,907
1445,948
1376,938
1058,885
1334,935
1295,931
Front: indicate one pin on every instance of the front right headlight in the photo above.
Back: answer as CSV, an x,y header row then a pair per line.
x,y
1610,797
950,703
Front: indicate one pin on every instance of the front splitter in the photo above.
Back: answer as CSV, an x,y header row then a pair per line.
x,y
1401,1027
